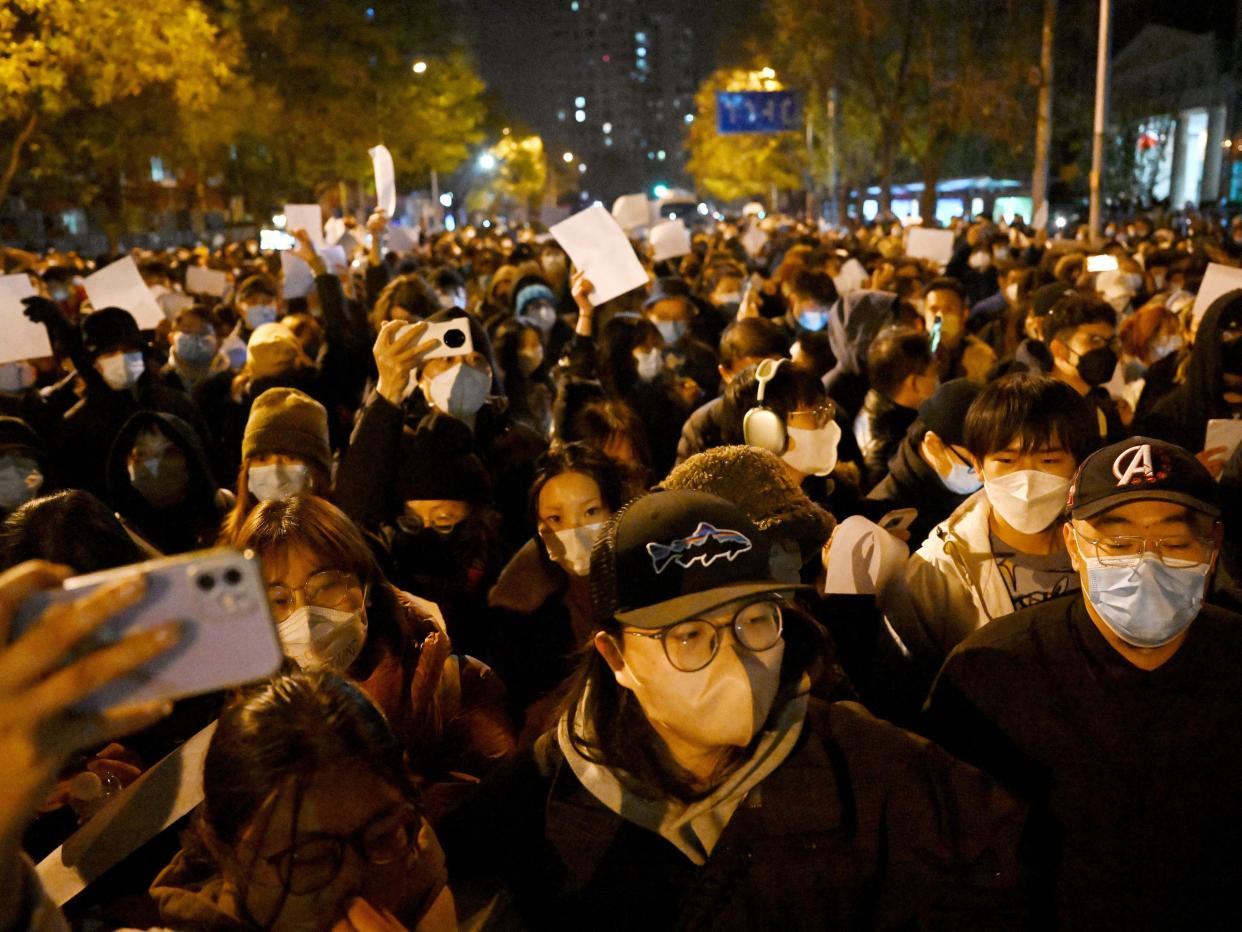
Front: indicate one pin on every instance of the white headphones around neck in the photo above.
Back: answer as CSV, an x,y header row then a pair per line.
x,y
762,427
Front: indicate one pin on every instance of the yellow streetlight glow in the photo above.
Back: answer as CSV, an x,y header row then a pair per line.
x,y
568,157
420,67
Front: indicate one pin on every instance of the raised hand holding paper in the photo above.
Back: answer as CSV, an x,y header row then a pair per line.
x,y
385,180
120,285
1217,280
22,339
297,275
600,249
306,217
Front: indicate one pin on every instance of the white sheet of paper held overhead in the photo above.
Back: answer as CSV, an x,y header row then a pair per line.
x,y
631,211
1225,433
669,240
298,277
598,247
120,285
19,338
1217,280
385,180
199,280
306,217
933,245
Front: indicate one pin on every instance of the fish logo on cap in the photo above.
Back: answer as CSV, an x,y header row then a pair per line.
x,y
705,546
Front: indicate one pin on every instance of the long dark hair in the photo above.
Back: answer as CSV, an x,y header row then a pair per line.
x,y
617,341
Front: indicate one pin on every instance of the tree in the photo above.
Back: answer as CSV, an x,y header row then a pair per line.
x,y
60,55
520,176
738,165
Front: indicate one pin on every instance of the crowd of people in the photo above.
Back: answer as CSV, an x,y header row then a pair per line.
x,y
812,586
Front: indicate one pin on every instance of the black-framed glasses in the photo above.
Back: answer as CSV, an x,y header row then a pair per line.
x,y
316,859
957,456
692,644
1178,550
325,589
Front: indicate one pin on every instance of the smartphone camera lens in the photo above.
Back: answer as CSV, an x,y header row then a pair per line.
x,y
232,577
206,582
454,339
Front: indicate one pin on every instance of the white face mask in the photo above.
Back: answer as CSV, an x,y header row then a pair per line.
x,y
460,391
1011,292
813,452
278,481
650,363
19,483
671,330
724,704
1029,500
323,638
571,548
121,370
980,260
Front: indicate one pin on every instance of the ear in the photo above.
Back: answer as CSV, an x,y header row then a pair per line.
x,y
726,376
608,649
1071,545
1059,350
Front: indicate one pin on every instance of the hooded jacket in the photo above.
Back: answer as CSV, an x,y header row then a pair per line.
x,y
1181,416
911,483
188,526
855,320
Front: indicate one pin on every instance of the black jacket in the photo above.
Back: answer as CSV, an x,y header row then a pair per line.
x,y
887,423
911,483
863,826
1132,775
703,430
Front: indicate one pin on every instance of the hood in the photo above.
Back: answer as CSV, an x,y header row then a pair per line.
x,y
121,494
855,320
191,894
526,582
1203,380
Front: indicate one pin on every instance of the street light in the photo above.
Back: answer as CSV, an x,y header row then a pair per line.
x,y
487,162
420,67
568,157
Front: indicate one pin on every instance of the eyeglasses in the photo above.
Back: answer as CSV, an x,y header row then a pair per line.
x,y
325,589
692,644
1177,550
957,456
316,860
823,413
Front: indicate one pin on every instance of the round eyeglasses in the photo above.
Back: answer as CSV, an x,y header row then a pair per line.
x,y
325,589
1178,550
315,860
692,644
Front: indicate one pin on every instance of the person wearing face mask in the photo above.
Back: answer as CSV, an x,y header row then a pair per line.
x,y
689,754
1081,335
932,470
160,482
1116,711
675,313
534,304
257,300
959,354
109,354
1001,549
903,374
1212,388
24,465
540,607
523,359
336,611
284,452
975,260
194,352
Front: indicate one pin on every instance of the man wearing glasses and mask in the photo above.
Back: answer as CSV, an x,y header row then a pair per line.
x,y
1117,711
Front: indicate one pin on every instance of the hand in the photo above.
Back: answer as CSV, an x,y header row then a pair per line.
x,y
305,250
39,728
397,354
581,288
40,310
689,391
363,917
1214,459
377,223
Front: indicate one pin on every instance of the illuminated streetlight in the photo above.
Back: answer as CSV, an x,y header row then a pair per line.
x,y
568,157
420,67
487,161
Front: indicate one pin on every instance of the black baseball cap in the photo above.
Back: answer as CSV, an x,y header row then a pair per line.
x,y
676,554
945,411
1142,468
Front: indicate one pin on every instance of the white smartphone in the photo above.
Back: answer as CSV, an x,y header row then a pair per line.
x,y
899,519
228,637
1101,263
454,337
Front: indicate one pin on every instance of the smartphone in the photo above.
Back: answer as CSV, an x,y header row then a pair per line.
x,y
228,637
937,327
276,240
454,337
1101,263
899,519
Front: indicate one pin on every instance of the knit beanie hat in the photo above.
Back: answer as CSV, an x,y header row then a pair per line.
x,y
757,482
284,420
272,349
536,291
438,463
108,329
